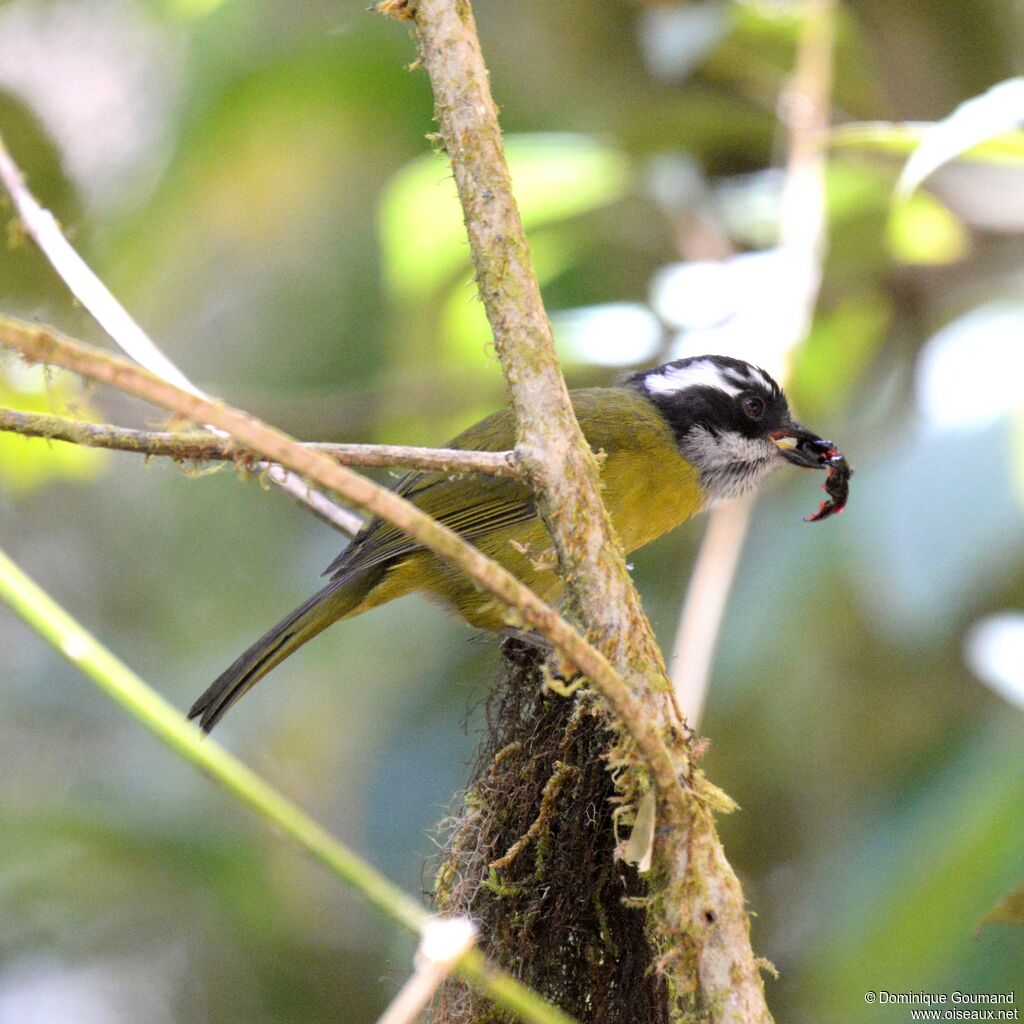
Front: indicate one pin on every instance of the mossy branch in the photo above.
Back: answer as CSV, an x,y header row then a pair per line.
x,y
118,681
696,912
201,446
38,344
550,443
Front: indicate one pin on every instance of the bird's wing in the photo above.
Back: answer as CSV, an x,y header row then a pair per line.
x,y
472,506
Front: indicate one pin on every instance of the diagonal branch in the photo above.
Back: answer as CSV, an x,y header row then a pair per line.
x,y
697,910
200,446
118,681
42,227
37,344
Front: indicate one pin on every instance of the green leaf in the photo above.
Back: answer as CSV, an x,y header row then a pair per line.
x,y
903,138
853,190
27,463
193,8
994,112
555,177
923,231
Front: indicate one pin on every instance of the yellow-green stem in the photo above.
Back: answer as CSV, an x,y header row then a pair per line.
x,y
122,685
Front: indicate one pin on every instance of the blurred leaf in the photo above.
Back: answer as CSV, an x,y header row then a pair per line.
x,y
555,177
1009,910
193,8
465,329
853,189
839,347
905,893
1017,455
759,52
903,138
991,114
29,462
923,231
265,217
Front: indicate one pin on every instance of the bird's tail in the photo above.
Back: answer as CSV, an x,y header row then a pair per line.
x,y
334,602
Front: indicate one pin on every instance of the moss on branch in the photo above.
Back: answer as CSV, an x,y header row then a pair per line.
x,y
696,915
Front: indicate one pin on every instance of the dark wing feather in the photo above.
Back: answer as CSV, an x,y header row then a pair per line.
x,y
472,506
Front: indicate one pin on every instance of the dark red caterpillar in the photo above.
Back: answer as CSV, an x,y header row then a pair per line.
x,y
836,485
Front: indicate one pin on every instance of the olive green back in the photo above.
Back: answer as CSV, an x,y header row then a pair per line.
x,y
648,488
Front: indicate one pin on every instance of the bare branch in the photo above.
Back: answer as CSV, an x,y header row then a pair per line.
x,y
550,443
199,446
700,619
803,235
444,942
803,225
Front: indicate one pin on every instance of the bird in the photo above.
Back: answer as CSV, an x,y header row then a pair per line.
x,y
674,440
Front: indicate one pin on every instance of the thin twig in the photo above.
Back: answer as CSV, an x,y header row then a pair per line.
x,y
199,446
704,607
42,227
40,345
803,236
443,944
118,681
803,222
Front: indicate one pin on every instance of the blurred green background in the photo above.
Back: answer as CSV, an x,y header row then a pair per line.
x,y
253,181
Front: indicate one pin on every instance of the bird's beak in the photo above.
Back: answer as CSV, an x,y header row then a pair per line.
x,y
798,445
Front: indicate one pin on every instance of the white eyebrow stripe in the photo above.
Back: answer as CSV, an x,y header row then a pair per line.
x,y
742,379
752,376
761,378
703,373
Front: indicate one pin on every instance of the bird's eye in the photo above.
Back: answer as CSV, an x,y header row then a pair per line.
x,y
753,407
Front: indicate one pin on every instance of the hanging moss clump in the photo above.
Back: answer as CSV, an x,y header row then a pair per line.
x,y
530,856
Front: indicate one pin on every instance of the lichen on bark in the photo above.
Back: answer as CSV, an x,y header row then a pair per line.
x,y
695,926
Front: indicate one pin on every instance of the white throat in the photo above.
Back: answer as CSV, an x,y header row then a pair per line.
x,y
730,464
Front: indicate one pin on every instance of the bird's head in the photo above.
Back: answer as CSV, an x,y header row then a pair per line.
x,y
730,420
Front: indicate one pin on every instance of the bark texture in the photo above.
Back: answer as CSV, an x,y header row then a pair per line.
x,y
695,911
